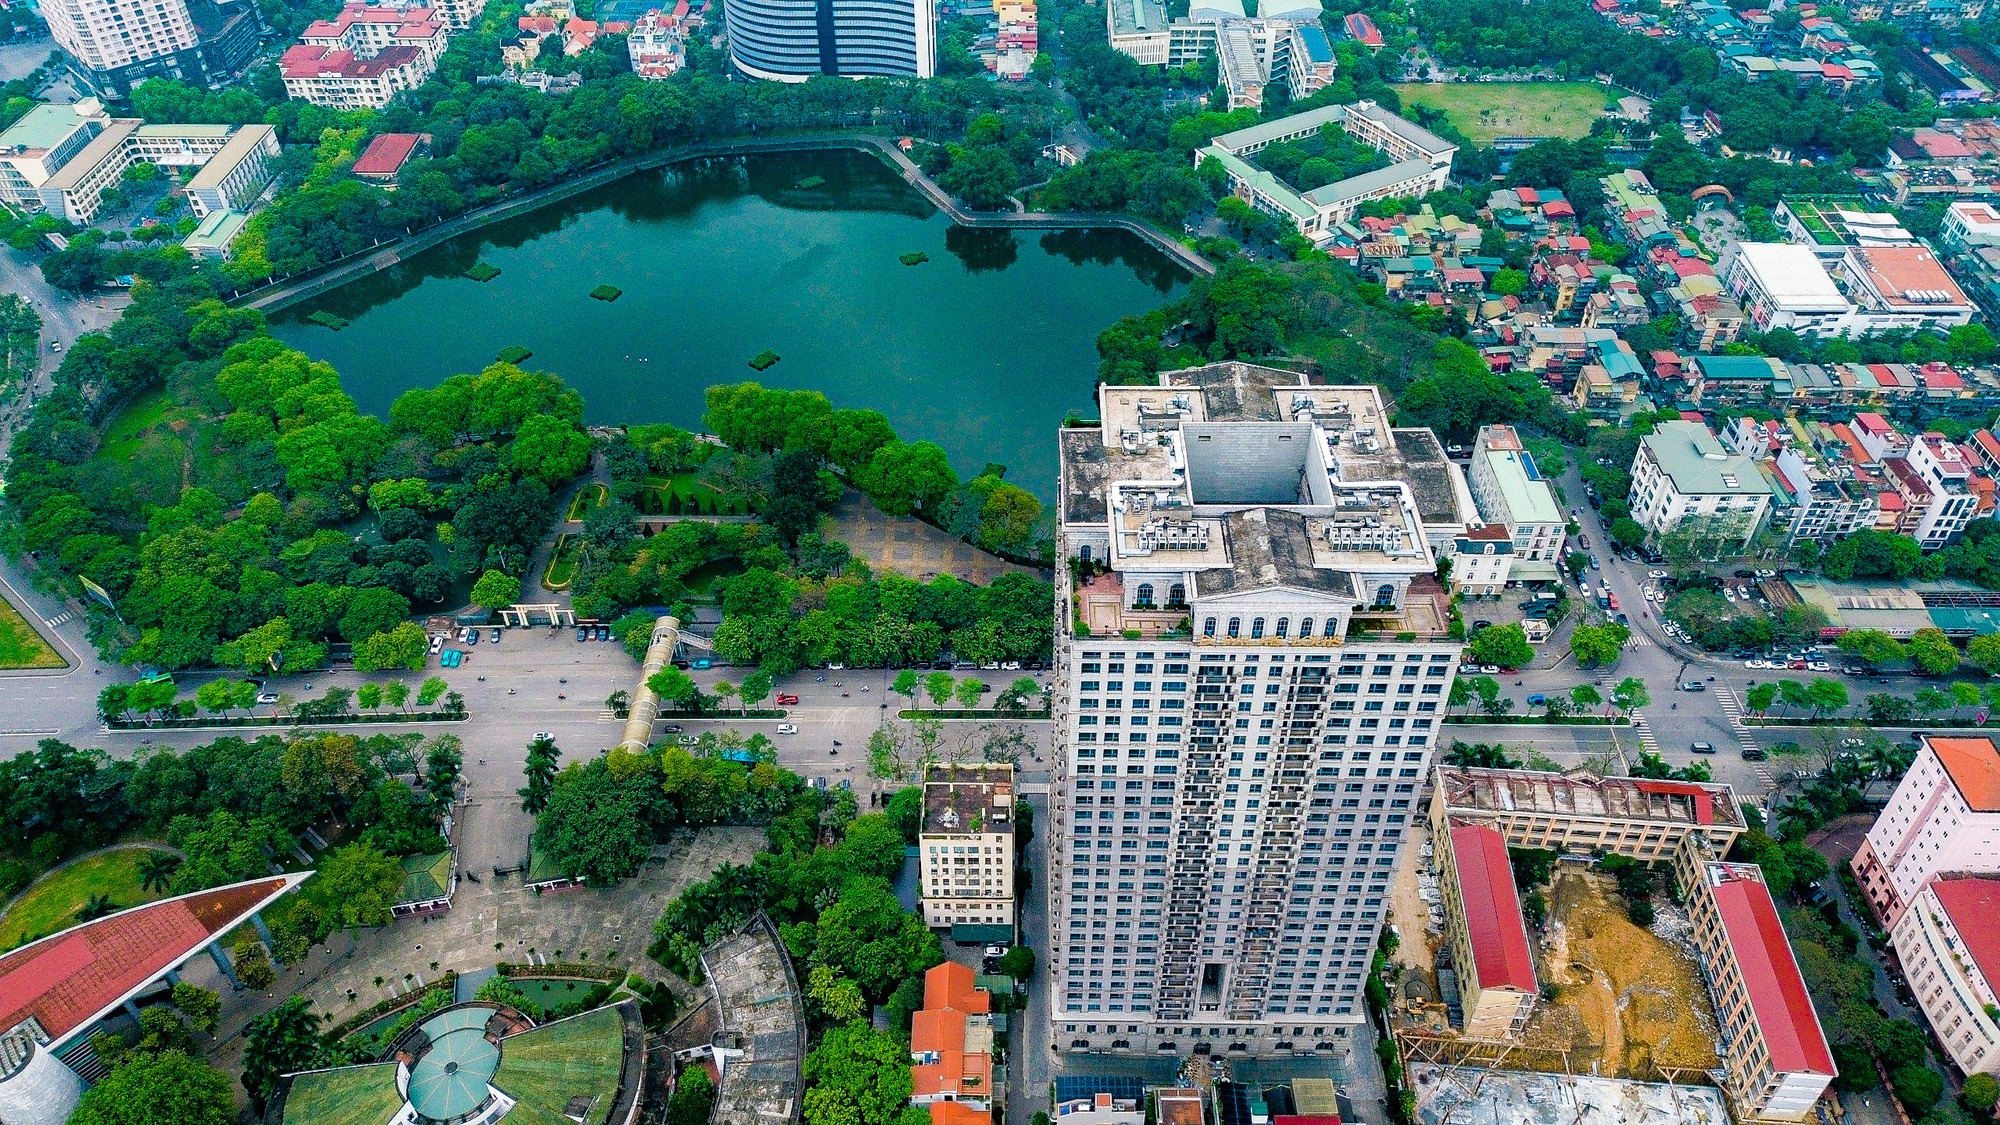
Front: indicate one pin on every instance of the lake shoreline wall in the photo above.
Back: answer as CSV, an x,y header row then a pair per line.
x,y
301,287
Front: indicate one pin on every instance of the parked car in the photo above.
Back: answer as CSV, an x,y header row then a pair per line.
x,y
1477,625
1818,666
787,700
496,636
672,728
437,645
1489,669
582,633
267,697
1703,747
689,740
1537,699
1658,574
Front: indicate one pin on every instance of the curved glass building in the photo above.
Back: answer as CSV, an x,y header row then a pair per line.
x,y
793,40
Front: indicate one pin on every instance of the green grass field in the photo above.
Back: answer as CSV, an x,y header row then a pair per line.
x,y
52,904
357,1095
20,645
1488,110
548,1066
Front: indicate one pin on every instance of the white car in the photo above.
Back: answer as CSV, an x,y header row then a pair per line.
x,y
1767,574
1756,664
1489,669
437,644
788,728
1819,666
1658,574
542,734
267,698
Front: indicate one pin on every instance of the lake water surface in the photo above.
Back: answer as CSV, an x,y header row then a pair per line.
x,y
982,349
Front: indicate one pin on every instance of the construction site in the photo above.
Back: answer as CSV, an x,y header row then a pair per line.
x,y
1621,1001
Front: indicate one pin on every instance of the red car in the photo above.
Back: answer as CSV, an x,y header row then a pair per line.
x,y
787,700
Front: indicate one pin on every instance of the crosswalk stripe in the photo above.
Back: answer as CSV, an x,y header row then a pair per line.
x,y
58,619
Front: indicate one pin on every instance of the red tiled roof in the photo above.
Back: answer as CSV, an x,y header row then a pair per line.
x,y
958,1113
951,985
1974,766
1972,905
386,153
1778,997
1492,909
67,980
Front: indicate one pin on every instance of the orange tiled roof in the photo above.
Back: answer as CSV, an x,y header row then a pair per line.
x,y
958,1113
951,985
1974,766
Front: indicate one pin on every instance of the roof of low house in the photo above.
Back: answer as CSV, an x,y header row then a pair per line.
x,y
951,985
387,153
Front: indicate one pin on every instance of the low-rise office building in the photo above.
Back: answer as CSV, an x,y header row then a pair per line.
x,y
1775,1058
1950,951
1683,473
1943,817
1581,813
62,159
1486,932
1422,164
966,847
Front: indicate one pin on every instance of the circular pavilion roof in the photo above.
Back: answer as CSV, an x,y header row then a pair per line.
x,y
449,1080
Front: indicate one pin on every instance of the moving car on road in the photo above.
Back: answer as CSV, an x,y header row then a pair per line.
x,y
787,728
787,700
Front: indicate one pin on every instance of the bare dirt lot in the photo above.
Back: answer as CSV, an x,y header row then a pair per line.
x,y
1628,1001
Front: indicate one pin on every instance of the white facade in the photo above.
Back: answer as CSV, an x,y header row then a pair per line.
x,y
1946,950
1943,817
1682,472
1785,286
965,848
1242,740
108,34
1510,491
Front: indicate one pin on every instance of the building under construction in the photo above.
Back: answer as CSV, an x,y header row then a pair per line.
x,y
1582,813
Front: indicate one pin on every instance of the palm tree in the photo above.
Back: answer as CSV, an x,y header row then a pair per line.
x,y
156,870
541,773
96,906
1800,814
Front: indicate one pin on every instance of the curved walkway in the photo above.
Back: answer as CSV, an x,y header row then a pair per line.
x,y
386,254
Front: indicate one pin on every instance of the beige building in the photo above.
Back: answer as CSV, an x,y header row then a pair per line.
x,y
1776,1062
1488,937
1950,950
1579,812
966,848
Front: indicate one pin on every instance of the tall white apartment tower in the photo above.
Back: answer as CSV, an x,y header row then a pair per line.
x,y
1252,667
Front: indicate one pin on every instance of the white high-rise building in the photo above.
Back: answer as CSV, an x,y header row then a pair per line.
x,y
1252,666
112,45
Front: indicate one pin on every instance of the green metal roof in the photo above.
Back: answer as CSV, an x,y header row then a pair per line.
x,y
43,127
1528,499
1698,464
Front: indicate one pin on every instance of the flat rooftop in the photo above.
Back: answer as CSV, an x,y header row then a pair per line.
x,y
44,126
1792,277
1698,464
763,1017
976,798
1448,1095
1584,794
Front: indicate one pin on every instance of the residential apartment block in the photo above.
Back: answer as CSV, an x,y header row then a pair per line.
x,y
1486,932
1252,664
1510,490
952,1069
112,46
1949,948
364,57
965,848
1682,472
1944,817
1580,813
1775,1058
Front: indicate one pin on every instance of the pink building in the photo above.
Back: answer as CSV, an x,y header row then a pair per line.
x,y
1943,818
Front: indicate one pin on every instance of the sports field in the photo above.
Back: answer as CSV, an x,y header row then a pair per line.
x,y
1488,110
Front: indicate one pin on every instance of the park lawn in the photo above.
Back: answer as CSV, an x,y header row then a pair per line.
x,y
547,994
51,904
546,1067
129,427
1486,111
352,1095
20,645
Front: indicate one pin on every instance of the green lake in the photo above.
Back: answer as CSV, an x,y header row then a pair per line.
x,y
982,349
